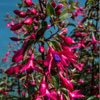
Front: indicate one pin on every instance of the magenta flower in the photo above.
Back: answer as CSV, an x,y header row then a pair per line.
x,y
43,87
41,49
58,12
75,94
20,13
64,31
16,26
59,96
18,56
94,43
13,70
3,92
78,66
29,67
29,2
15,39
66,82
28,21
68,40
4,59
34,11
59,6
53,4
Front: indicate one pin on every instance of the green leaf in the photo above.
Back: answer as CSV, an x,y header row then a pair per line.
x,y
93,98
65,14
56,45
55,79
71,24
50,10
32,89
41,32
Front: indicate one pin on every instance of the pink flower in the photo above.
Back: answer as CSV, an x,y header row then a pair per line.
x,y
58,12
59,96
16,26
18,56
68,40
94,43
29,64
81,81
15,39
20,13
3,92
23,93
75,94
34,11
29,67
28,21
29,2
53,4
5,59
13,70
59,6
43,87
66,82
41,49
78,66
64,31
48,26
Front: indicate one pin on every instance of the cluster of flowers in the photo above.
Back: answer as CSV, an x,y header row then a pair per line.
x,y
58,61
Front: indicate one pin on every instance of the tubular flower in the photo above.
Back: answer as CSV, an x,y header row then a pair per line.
x,y
30,66
75,94
48,61
68,40
53,4
41,49
43,87
94,43
59,6
16,26
29,2
28,21
65,82
18,56
13,70
59,96
20,13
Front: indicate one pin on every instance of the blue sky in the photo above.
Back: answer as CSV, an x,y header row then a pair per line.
x,y
7,6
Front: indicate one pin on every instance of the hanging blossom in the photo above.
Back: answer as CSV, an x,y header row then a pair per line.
x,y
30,66
94,43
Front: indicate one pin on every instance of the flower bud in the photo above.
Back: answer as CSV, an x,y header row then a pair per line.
x,y
16,26
29,2
59,6
41,49
65,82
43,87
58,12
34,11
28,21
68,40
53,4
15,39
20,13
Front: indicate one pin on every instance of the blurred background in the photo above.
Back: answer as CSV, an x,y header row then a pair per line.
x,y
6,6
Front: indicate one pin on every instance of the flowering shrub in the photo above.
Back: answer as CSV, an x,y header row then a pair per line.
x,y
52,62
